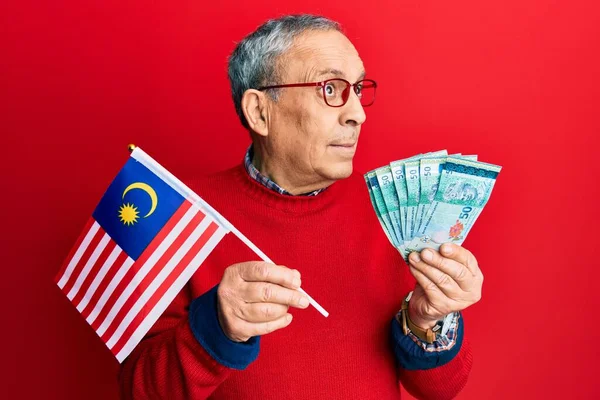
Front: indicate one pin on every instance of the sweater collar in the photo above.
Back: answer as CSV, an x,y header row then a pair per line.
x,y
286,203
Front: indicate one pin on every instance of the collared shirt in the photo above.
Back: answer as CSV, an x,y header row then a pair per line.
x,y
264,180
442,343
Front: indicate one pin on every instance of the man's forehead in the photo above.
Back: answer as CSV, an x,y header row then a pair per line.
x,y
336,73
325,54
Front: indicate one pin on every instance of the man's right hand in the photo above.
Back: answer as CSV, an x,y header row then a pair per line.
x,y
254,297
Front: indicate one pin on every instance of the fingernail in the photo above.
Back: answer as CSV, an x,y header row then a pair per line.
x,y
447,249
288,318
427,255
415,257
303,302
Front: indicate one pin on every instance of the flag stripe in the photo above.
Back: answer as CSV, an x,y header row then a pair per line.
x,y
106,261
167,293
86,254
181,257
93,272
82,243
110,294
113,270
88,266
143,268
126,274
156,269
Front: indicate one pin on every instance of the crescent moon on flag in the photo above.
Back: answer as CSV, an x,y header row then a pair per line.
x,y
146,188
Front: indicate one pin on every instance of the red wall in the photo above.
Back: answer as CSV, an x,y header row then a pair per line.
x,y
515,81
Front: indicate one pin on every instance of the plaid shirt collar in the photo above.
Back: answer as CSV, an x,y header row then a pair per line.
x,y
263,180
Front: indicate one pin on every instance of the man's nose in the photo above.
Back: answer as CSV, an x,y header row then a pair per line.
x,y
353,112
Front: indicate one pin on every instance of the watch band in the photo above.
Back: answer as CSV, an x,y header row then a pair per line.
x,y
429,335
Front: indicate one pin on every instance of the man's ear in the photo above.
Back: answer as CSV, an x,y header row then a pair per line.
x,y
254,107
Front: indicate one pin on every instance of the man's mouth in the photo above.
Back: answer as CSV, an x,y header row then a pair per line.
x,y
344,144
344,149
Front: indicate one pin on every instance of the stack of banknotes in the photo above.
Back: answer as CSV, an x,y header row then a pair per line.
x,y
430,199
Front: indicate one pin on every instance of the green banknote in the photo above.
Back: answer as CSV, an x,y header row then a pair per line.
x,y
430,187
380,204
413,190
429,173
413,186
463,190
397,168
372,197
390,198
430,169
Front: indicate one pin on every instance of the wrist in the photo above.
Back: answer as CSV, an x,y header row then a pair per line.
x,y
423,323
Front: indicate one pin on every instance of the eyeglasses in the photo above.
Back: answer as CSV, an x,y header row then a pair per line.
x,y
336,92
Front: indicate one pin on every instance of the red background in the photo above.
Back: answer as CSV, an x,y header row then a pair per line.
x,y
515,81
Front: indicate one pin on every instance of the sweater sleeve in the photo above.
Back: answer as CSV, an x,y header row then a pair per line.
x,y
185,354
432,372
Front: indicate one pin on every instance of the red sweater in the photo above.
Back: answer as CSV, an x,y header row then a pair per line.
x,y
347,265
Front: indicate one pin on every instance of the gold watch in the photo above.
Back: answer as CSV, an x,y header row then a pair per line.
x,y
429,336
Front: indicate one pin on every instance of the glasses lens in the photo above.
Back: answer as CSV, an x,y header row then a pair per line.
x,y
336,92
365,90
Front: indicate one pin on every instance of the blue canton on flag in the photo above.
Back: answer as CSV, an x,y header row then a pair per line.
x,y
135,207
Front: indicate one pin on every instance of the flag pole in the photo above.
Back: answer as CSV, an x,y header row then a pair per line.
x,y
180,187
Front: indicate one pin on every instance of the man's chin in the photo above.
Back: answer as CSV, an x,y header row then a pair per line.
x,y
339,171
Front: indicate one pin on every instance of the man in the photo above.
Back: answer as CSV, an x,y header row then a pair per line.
x,y
297,197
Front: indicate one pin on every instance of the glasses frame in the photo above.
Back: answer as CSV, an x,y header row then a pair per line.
x,y
322,84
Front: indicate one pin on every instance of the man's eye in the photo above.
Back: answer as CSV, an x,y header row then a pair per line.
x,y
358,90
329,89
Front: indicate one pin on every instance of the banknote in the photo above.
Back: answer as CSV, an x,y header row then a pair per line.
x,y
390,198
429,173
463,190
413,187
372,197
428,179
397,168
413,190
429,211
382,209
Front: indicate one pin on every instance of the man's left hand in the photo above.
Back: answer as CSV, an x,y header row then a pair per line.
x,y
447,282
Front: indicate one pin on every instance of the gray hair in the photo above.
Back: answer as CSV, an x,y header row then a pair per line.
x,y
253,62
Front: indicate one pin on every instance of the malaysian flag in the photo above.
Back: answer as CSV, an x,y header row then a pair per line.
x,y
147,237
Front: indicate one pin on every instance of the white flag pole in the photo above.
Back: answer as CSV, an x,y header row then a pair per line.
x,y
140,156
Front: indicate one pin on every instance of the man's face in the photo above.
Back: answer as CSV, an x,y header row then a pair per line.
x,y
315,141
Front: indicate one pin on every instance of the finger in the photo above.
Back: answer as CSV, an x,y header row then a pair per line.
x,y
455,270
263,292
266,272
433,292
460,255
262,328
439,278
261,312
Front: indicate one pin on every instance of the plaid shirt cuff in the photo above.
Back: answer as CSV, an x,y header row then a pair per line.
x,y
414,354
443,342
